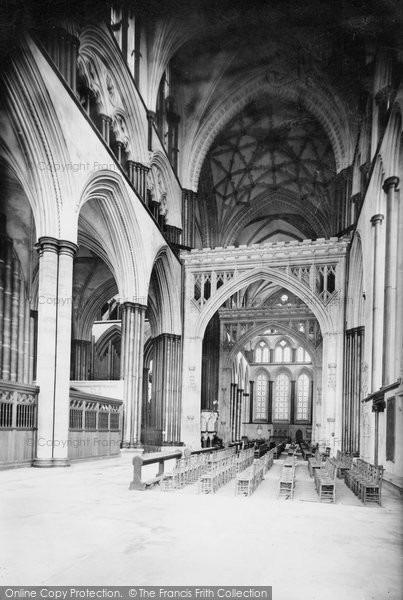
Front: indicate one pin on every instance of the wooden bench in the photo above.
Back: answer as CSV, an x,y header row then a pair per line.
x,y
187,469
138,463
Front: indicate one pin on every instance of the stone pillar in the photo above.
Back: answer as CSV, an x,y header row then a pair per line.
x,y
132,371
377,321
166,385
191,391
251,399
378,408
7,301
138,174
67,251
189,198
151,121
105,128
246,412
239,414
53,355
81,360
224,400
389,315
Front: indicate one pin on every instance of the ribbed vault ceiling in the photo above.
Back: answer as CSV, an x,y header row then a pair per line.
x,y
272,170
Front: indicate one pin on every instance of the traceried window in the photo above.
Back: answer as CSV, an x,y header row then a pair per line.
x,y
303,355
281,397
282,353
261,391
303,385
262,353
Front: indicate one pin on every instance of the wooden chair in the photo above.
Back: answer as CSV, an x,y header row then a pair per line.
x,y
371,489
287,483
325,482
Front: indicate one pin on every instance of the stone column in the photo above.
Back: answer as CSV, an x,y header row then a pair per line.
x,y
234,403
132,371
389,315
246,412
105,128
189,198
7,302
224,400
166,385
81,360
251,399
67,251
378,408
239,414
151,121
191,391
377,295
53,355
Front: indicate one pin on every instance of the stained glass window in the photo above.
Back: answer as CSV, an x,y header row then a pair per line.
x,y
261,397
281,397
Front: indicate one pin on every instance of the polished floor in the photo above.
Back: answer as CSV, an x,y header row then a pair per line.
x,y
82,526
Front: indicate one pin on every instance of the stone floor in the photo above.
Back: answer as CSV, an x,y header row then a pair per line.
x,y
82,526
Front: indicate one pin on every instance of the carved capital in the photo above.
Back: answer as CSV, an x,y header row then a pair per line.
x,y
390,182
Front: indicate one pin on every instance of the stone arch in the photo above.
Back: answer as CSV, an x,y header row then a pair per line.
x,y
391,154
303,369
112,334
40,145
285,337
263,370
82,326
274,275
235,226
148,352
161,182
281,369
98,48
112,209
355,298
332,118
164,295
169,36
263,326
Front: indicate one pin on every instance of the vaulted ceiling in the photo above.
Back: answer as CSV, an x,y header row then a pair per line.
x,y
268,176
271,96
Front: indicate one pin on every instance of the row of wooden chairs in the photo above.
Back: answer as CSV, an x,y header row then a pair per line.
x,y
220,473
314,463
244,459
365,480
187,470
325,481
342,462
287,482
290,461
250,478
222,467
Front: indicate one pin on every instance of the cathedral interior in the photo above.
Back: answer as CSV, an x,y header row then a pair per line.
x,y
201,249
